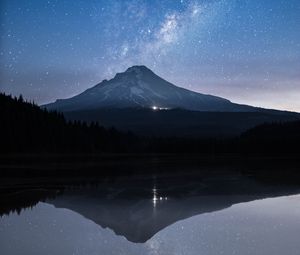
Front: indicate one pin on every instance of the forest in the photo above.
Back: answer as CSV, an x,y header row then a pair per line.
x,y
26,128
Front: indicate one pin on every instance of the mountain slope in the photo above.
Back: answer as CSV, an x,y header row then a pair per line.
x,y
178,122
139,87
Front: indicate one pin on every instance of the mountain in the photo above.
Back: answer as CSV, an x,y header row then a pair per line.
x,y
139,87
140,101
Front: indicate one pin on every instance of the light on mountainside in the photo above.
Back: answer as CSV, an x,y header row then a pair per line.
x,y
156,108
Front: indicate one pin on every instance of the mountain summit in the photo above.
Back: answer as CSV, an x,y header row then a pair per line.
x,y
138,100
139,87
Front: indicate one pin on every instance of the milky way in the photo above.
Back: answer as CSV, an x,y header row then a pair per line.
x,y
246,51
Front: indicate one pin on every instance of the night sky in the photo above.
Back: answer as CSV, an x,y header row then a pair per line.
x,y
245,50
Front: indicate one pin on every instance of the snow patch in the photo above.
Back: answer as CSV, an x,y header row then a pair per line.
x,y
144,85
136,91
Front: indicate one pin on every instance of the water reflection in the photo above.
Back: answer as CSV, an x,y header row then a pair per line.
x,y
139,207
166,214
156,198
263,227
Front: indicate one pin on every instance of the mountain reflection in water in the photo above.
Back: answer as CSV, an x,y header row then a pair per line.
x,y
139,208
261,227
142,208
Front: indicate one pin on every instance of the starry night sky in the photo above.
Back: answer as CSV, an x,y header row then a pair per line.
x,y
245,50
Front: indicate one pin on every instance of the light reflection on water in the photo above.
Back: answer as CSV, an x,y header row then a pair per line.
x,y
267,226
156,198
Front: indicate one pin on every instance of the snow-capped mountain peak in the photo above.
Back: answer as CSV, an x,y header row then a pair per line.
x,y
139,87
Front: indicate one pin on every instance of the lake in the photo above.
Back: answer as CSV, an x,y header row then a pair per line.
x,y
221,213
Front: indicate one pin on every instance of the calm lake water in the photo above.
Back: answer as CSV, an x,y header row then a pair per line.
x,y
208,215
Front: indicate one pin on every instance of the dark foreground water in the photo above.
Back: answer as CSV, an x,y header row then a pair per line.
x,y
223,213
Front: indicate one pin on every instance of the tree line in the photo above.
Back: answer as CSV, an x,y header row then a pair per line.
x,y
26,128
